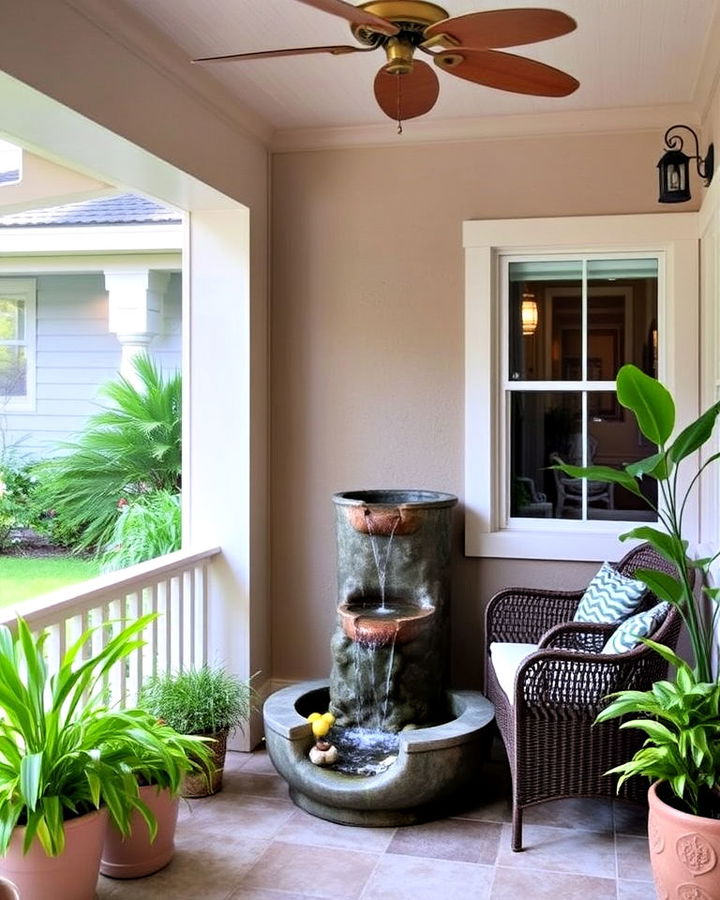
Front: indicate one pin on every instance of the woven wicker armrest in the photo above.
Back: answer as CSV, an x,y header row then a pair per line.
x,y
565,682
526,614
586,637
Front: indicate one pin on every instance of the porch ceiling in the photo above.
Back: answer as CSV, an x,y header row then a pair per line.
x,y
629,55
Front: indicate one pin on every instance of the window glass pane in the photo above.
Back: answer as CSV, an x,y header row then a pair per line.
x,y
544,314
622,316
12,319
615,440
13,371
546,427
541,424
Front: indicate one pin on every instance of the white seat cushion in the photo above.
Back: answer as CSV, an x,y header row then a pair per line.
x,y
506,660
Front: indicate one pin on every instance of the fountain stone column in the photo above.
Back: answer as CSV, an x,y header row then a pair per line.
x,y
390,647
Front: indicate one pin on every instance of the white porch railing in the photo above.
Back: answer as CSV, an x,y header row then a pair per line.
x,y
174,586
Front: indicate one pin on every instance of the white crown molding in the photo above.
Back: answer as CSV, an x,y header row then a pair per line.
x,y
599,121
141,38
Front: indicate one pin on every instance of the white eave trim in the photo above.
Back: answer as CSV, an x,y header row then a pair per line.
x,y
89,239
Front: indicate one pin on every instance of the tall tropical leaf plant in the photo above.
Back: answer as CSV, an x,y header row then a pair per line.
x,y
681,718
128,450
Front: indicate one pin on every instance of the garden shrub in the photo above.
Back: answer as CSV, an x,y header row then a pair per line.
x,y
17,509
147,527
127,451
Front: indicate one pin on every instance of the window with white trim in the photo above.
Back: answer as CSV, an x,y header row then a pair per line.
x,y
17,343
553,309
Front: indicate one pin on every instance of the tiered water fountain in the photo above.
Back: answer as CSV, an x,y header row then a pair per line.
x,y
405,743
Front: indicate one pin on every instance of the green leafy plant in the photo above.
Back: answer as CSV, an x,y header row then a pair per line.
x,y
129,450
198,701
149,526
165,762
63,752
16,509
683,732
683,729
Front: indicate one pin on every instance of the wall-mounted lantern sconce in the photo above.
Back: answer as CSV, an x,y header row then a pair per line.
x,y
528,312
674,167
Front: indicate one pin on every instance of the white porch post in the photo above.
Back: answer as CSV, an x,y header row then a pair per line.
x,y
216,441
135,312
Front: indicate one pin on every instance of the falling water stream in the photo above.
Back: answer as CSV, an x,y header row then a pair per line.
x,y
368,751
381,565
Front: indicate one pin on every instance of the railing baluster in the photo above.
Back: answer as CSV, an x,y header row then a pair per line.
x,y
190,659
179,583
203,637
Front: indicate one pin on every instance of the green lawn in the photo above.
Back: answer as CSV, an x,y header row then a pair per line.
x,y
25,577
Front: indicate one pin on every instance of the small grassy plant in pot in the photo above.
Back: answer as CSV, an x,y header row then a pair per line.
x,y
207,701
67,760
681,717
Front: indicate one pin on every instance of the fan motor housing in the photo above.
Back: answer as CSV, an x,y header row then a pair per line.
x,y
411,16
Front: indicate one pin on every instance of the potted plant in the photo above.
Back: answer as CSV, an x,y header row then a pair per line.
x,y
66,762
681,718
207,701
160,771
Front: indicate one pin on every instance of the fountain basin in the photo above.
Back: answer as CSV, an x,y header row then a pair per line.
x,y
433,763
366,624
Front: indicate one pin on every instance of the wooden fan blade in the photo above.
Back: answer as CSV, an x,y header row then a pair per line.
x,y
506,72
336,50
406,96
503,27
354,15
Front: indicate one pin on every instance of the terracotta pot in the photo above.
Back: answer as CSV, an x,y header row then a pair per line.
x,y
135,855
197,785
71,876
684,851
8,891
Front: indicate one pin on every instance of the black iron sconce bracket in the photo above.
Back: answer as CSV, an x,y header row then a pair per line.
x,y
674,166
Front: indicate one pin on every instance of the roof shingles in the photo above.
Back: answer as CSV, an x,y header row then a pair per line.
x,y
125,209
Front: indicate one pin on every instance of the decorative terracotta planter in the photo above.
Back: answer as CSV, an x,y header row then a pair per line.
x,y
684,851
197,785
135,855
71,876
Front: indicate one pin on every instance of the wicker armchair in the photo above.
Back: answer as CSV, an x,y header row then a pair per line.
x,y
553,747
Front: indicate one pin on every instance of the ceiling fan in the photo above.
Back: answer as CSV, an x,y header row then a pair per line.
x,y
465,46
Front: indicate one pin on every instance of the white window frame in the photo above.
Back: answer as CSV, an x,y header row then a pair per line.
x,y
24,289
674,239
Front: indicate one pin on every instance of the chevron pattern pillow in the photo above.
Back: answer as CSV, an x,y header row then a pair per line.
x,y
610,597
627,635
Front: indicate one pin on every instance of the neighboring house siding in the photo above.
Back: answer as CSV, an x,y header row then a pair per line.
x,y
76,355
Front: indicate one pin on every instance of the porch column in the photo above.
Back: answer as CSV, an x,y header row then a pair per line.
x,y
135,312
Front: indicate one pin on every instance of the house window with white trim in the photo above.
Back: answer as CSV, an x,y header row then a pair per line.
x,y
570,324
17,343
554,307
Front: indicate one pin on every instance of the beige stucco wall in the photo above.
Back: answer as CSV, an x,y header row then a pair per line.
x,y
367,345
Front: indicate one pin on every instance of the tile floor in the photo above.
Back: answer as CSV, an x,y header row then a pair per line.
x,y
250,842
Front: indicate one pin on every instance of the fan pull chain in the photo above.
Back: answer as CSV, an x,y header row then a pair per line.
x,y
399,104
